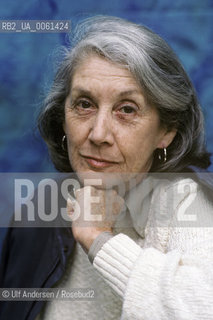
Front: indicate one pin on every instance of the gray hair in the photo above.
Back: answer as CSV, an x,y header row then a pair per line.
x,y
156,68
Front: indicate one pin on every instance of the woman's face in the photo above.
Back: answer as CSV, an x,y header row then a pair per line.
x,y
108,124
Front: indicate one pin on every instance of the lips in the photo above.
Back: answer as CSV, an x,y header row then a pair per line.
x,y
98,163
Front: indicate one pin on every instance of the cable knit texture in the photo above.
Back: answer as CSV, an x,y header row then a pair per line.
x,y
168,275
171,277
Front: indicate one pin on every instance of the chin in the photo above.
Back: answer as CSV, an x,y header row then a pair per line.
x,y
121,182
100,180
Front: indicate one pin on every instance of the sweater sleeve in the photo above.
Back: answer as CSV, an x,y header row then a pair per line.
x,y
155,285
177,284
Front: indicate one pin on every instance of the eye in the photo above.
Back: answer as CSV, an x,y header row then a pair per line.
x,y
84,104
127,109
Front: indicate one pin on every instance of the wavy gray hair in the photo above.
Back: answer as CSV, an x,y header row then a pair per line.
x,y
161,76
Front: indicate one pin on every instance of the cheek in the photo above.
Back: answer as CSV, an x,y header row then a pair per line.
x,y
134,141
76,136
137,146
75,131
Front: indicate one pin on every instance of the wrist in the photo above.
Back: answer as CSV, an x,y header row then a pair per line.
x,y
98,243
91,237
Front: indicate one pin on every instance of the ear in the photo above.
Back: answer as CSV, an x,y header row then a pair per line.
x,y
167,138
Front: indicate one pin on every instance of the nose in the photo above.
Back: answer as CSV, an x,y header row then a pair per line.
x,y
101,130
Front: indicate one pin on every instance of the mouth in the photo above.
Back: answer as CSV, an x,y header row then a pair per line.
x,y
98,163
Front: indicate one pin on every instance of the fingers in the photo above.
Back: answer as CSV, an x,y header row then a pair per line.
x,y
70,207
93,211
73,210
94,206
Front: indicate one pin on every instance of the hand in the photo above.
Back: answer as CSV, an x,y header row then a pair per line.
x,y
93,212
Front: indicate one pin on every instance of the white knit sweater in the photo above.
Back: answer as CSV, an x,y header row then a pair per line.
x,y
171,277
167,275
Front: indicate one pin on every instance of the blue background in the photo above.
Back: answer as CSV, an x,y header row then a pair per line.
x,y
26,63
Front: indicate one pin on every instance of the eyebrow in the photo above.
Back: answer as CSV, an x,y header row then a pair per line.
x,y
81,91
85,92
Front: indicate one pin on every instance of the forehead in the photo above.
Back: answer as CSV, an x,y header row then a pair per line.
x,y
98,71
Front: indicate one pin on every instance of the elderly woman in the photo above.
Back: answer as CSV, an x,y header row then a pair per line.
x,y
122,106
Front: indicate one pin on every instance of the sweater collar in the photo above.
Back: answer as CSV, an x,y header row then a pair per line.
x,y
138,203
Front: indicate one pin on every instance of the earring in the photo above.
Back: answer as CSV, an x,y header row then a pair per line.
x,y
63,146
164,155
